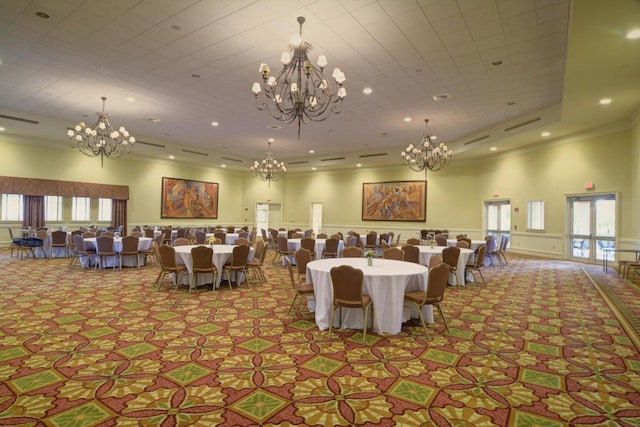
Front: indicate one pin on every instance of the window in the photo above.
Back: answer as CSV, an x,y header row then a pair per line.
x,y
104,209
52,208
80,209
12,207
535,215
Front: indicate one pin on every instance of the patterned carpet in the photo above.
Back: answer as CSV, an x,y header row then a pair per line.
x,y
545,343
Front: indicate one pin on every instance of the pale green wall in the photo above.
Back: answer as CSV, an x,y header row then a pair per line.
x,y
635,178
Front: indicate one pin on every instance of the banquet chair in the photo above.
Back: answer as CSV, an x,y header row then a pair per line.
x,y
347,283
273,240
241,241
302,257
393,253
282,248
300,290
413,241
220,235
166,236
150,254
411,253
180,241
14,245
168,265
358,240
504,241
478,263
322,236
309,244
492,250
435,260
297,235
352,252
462,243
464,239
384,241
202,259
104,249
239,259
88,234
136,234
424,236
460,236
59,240
438,276
243,235
441,240
370,242
450,257
148,232
350,241
308,232
258,261
130,248
181,233
331,248
80,251
107,234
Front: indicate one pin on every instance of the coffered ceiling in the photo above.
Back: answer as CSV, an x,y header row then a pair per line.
x,y
484,72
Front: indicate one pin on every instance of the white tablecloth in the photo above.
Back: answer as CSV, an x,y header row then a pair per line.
x,y
174,234
475,244
221,254
385,282
426,252
144,243
295,244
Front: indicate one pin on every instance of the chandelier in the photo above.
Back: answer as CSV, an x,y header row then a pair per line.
x,y
101,139
426,155
268,169
300,91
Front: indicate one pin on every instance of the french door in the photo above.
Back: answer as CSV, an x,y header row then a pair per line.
x,y
498,217
592,226
316,217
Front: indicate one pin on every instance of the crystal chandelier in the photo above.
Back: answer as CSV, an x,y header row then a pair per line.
x,y
268,169
101,139
426,155
300,91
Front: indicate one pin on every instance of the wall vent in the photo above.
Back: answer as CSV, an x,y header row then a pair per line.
x,y
364,156
476,140
152,144
232,160
19,119
301,162
332,159
537,119
194,152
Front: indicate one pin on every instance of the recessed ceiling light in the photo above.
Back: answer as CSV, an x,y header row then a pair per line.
x,y
172,157
153,120
271,140
42,15
493,148
545,134
433,136
605,101
274,127
214,124
367,90
2,129
223,165
130,99
312,151
359,165
407,119
314,168
634,34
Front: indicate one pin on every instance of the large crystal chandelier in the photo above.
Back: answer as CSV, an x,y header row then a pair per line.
x,y
268,169
300,91
101,139
426,155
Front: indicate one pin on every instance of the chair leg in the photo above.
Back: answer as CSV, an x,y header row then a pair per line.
x,y
295,297
333,312
482,277
442,315
424,325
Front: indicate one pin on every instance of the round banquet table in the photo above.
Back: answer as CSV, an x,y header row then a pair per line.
x,y
457,279
385,282
221,254
144,243
296,243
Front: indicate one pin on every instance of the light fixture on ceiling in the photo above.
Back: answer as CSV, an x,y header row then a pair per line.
x,y
268,169
426,155
101,139
300,91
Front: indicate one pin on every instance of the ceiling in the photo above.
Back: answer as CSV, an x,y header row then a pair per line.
x,y
510,69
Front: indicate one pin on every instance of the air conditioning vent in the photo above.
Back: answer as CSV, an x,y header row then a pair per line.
x,y
537,119
365,156
443,97
477,140
332,159
301,162
232,160
151,144
195,152
19,119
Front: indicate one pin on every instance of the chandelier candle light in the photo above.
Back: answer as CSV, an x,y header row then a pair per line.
x,y
269,169
300,91
426,155
101,139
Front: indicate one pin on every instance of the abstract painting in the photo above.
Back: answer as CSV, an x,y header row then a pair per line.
x,y
182,198
394,201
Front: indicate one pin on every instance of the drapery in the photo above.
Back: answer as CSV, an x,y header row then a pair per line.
x,y
33,212
119,215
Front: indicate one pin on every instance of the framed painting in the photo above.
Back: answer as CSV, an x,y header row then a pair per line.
x,y
182,198
394,201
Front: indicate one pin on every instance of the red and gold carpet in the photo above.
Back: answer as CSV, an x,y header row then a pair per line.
x,y
545,343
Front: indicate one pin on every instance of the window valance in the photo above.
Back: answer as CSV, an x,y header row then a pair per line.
x,y
51,187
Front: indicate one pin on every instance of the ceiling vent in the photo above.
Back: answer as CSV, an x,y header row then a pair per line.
x,y
232,160
301,162
537,119
19,119
476,140
365,156
194,152
443,97
151,144
332,159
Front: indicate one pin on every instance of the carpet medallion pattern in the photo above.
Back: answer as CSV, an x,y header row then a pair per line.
x,y
544,343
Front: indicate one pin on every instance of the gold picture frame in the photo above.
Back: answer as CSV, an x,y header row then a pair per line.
x,y
182,198
394,201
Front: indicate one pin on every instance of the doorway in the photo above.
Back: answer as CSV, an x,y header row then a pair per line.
x,y
268,215
592,226
498,215
316,217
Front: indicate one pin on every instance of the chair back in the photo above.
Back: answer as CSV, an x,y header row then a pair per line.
x,y
350,241
504,241
231,229
459,236
424,234
158,239
450,256
202,258
220,235
384,237
331,246
297,235
239,256
413,241
59,237
148,232
136,234
463,244
290,270
258,250
482,250
371,238
437,283
352,252
180,233
180,241
129,244
411,253
303,257
283,244
441,240
41,234
308,233
243,235
201,236
465,239
321,235
347,283
78,242
393,253
490,241
435,260
241,241
168,257
108,233
104,244
309,244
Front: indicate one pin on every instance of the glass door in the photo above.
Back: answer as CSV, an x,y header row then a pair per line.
x,y
498,214
592,225
316,217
